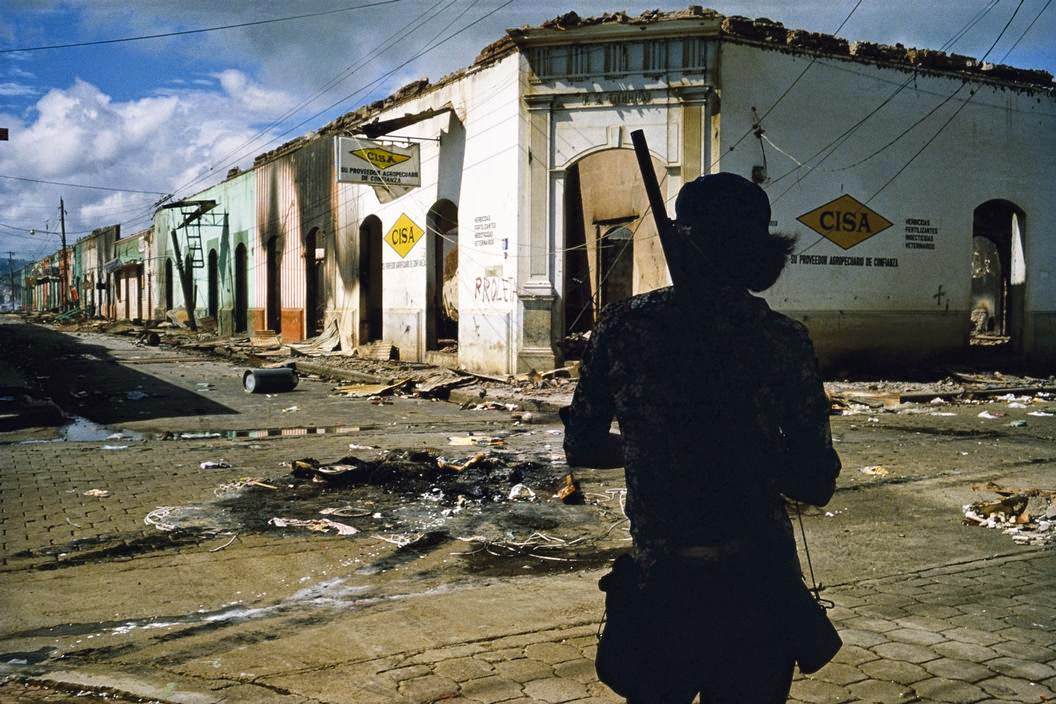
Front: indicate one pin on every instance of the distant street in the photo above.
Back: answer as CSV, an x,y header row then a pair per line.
x,y
212,603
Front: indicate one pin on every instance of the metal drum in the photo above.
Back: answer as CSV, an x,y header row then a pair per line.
x,y
269,381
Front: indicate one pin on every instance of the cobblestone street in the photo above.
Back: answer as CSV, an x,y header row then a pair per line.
x,y
225,608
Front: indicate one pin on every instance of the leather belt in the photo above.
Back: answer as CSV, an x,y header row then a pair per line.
x,y
711,552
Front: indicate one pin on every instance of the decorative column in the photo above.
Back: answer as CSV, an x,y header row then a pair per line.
x,y
535,287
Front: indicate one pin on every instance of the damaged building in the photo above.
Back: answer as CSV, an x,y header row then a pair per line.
x,y
481,220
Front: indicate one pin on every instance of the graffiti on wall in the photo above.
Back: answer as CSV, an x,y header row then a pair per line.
x,y
493,289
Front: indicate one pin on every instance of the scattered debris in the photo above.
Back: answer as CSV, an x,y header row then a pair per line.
x,y
1040,414
1018,424
215,464
875,471
97,493
240,484
135,395
992,415
370,390
520,491
291,409
198,436
318,525
470,440
115,447
570,492
221,547
1028,515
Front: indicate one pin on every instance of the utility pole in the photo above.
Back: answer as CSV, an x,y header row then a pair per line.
x,y
11,274
64,293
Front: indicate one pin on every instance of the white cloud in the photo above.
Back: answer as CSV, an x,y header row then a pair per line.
x,y
12,89
79,134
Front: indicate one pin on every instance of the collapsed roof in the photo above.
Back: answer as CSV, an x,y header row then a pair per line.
x,y
761,31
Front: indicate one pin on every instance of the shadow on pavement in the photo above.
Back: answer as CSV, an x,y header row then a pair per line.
x,y
86,380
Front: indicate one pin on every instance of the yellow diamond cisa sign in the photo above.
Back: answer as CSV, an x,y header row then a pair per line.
x,y
380,157
404,235
845,221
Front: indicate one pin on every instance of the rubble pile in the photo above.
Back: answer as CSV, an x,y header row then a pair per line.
x,y
1028,515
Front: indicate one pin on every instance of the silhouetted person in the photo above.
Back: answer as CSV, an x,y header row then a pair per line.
x,y
722,415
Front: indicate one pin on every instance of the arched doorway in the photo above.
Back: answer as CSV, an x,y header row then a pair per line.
x,y
441,316
273,294
168,285
214,284
370,280
999,274
241,289
611,248
314,303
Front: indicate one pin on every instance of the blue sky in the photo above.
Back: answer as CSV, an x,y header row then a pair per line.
x,y
153,115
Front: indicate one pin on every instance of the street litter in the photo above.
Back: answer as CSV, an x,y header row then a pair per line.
x,y
473,461
204,386
318,525
992,416
115,447
400,540
875,471
940,413
215,464
198,436
1040,414
346,512
1027,515
135,395
291,409
469,440
1017,404
240,484
492,406
520,491
369,390
116,436
97,493
570,492
1018,424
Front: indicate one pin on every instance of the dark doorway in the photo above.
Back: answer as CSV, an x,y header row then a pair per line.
x,y
370,280
616,264
168,286
442,276
611,251
214,284
998,275
314,303
190,290
241,289
273,294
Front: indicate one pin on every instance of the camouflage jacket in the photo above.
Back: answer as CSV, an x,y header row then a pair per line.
x,y
722,414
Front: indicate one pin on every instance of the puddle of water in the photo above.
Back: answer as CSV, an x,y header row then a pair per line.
x,y
259,433
81,429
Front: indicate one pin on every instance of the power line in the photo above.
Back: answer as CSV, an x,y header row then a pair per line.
x,y
1024,33
81,185
956,112
382,77
813,60
201,30
931,112
383,46
948,120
